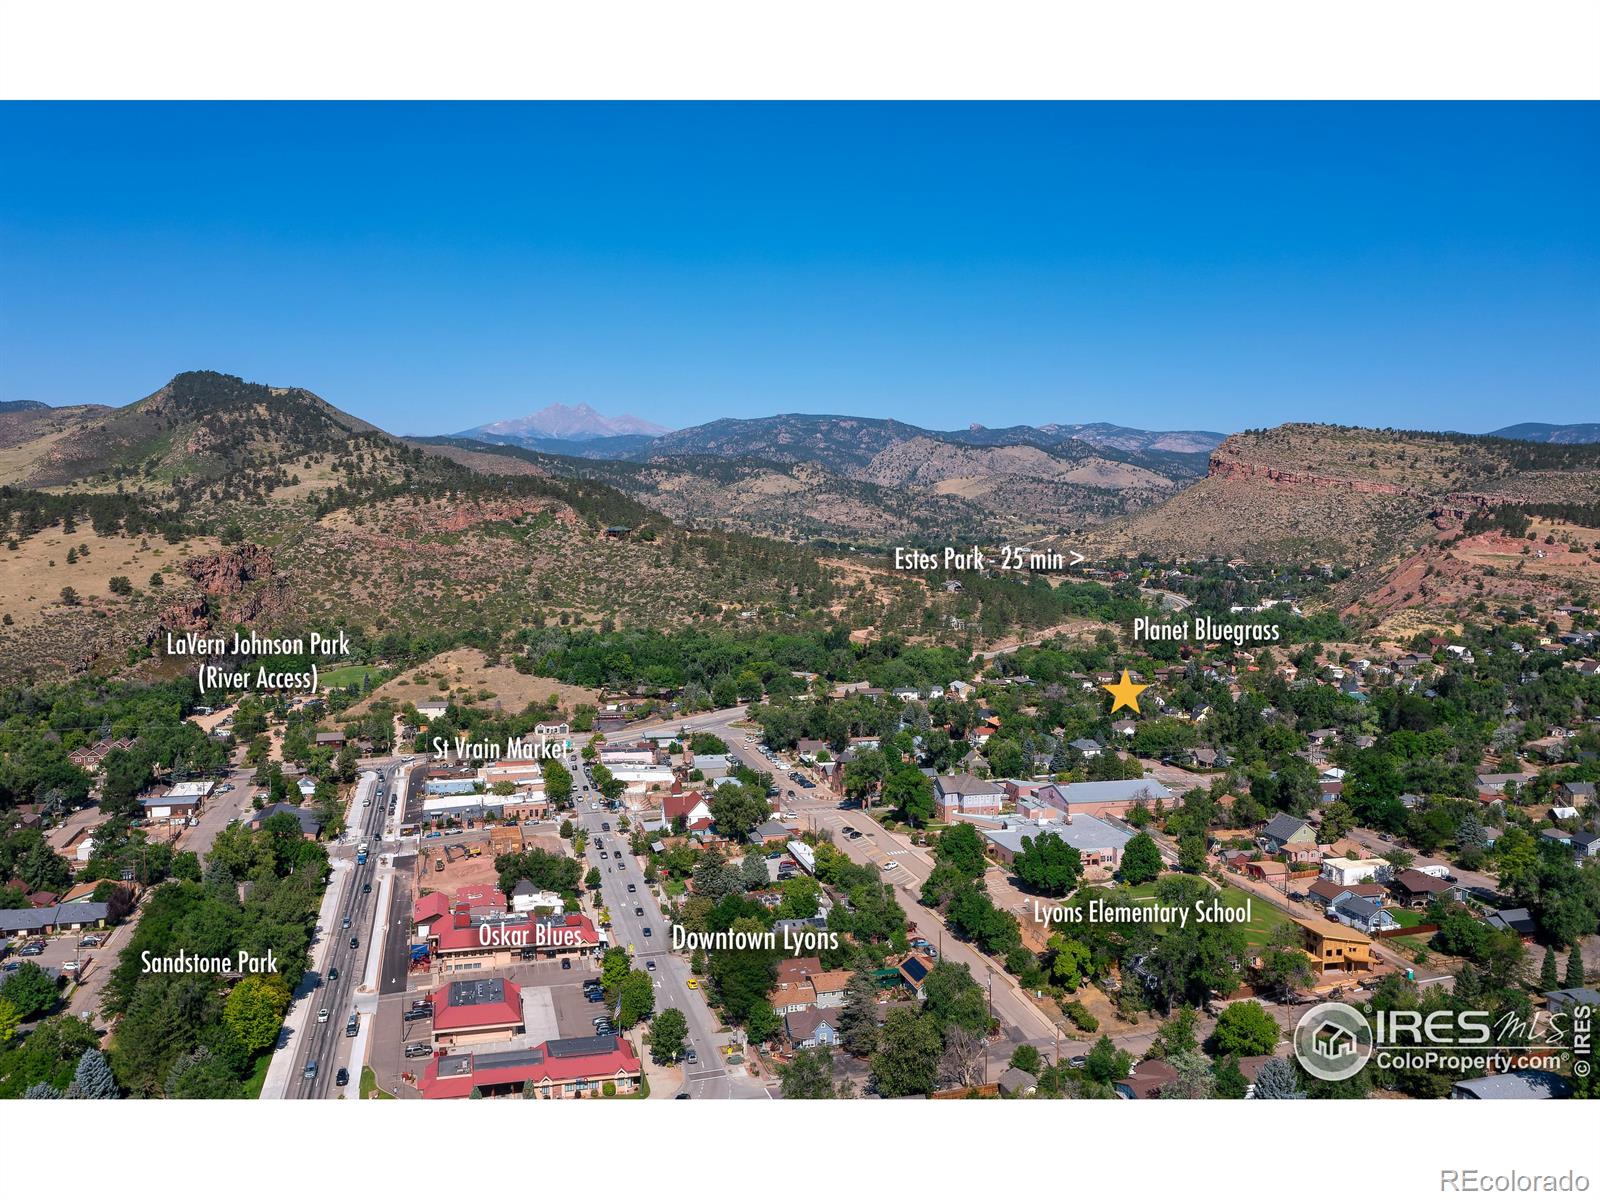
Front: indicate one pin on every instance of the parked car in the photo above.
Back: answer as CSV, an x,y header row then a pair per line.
x,y
353,1025
342,1078
418,1050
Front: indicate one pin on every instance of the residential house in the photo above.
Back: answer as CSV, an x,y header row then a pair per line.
x,y
1355,870
1290,835
1517,920
1414,889
1369,916
913,970
310,823
1335,947
812,1027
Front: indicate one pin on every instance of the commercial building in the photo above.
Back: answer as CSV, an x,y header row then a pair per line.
x,y
559,1069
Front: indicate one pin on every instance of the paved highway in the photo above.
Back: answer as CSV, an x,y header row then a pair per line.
x,y
322,1041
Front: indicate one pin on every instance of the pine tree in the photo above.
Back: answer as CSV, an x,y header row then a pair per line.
x,y
858,1021
1277,1081
93,1079
42,1091
1575,969
1548,974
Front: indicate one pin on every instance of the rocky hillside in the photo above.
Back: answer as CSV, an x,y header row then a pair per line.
x,y
1392,505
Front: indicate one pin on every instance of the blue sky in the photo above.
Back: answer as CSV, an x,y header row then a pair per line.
x,y
433,267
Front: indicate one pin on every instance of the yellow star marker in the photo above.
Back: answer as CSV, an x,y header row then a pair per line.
x,y
1125,693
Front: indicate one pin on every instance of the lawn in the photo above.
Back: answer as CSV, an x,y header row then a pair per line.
x,y
1263,919
258,1076
344,676
369,1086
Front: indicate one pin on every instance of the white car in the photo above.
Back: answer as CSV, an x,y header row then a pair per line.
x,y
889,864
594,805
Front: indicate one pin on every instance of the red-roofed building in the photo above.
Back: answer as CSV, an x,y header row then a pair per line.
x,y
467,1011
560,1069
470,941
691,806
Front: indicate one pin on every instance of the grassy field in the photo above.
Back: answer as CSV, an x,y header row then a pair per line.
x,y
1263,920
346,675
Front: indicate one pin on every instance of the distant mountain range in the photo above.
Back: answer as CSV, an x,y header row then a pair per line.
x,y
567,423
1560,435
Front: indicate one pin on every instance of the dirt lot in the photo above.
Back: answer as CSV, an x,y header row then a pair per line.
x,y
466,675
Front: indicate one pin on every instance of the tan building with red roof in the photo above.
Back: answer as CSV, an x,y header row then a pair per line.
x,y
470,1011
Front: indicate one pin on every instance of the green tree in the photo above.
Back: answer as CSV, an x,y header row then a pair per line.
x,y
737,809
667,1035
1027,1058
1282,966
809,1076
907,1060
762,1023
1105,1063
961,847
636,999
10,1022
1141,860
1195,1079
557,782
29,990
1245,1029
1070,961
1048,865
1574,977
953,997
1192,853
255,1009
1550,972
1179,1034
614,967
910,793
858,1018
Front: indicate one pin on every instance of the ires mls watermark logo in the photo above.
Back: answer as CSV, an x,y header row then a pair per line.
x,y
1333,1041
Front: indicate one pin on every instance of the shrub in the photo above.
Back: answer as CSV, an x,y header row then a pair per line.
x,y
1081,1017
